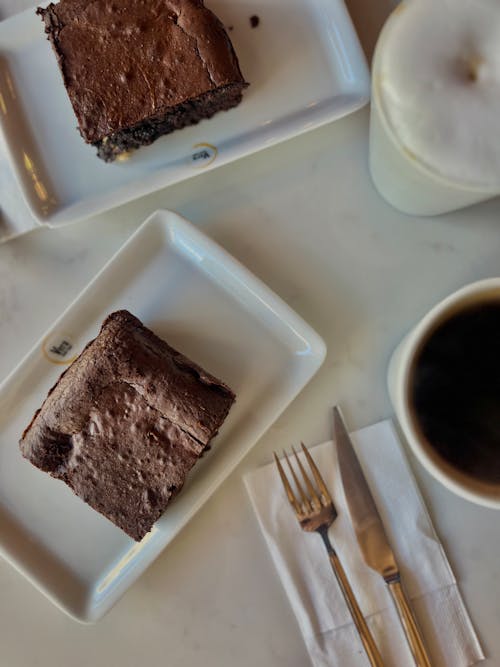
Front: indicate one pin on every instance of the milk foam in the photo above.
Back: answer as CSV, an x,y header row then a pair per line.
x,y
439,86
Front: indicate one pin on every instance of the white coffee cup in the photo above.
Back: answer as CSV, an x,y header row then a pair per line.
x,y
400,375
435,109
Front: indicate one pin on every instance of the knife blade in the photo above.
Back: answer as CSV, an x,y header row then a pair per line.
x,y
371,536
365,518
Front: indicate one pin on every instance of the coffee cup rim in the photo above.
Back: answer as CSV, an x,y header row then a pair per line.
x,y
467,486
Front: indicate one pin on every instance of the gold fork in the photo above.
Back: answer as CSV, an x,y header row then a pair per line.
x,y
316,513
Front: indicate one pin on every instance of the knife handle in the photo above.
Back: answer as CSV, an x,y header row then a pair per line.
x,y
409,624
366,637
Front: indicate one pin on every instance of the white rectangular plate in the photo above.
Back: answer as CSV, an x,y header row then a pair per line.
x,y
304,63
208,306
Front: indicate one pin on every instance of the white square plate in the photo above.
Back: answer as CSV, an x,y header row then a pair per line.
x,y
304,63
196,296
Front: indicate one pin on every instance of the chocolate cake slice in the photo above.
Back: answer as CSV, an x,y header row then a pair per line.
x,y
137,69
126,422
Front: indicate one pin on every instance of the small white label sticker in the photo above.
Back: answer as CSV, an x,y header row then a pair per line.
x,y
59,349
203,155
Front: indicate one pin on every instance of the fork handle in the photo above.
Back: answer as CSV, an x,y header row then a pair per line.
x,y
409,624
365,635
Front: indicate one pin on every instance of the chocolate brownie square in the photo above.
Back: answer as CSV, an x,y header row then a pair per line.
x,y
126,422
137,69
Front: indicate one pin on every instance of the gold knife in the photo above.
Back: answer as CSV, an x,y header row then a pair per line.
x,y
370,533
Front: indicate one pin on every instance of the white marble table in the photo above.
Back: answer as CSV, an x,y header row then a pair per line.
x,y
305,218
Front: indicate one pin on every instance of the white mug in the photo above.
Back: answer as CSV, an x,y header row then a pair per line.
x,y
399,379
403,178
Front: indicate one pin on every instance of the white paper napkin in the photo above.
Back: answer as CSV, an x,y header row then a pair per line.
x,y
303,566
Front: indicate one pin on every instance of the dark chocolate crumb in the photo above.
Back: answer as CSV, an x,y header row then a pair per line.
x,y
254,21
230,27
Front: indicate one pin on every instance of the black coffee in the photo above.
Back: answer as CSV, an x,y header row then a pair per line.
x,y
456,391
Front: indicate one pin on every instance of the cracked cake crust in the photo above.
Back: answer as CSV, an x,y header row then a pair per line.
x,y
126,422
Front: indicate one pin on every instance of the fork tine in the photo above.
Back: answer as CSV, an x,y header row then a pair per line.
x,y
317,476
289,491
312,491
305,499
